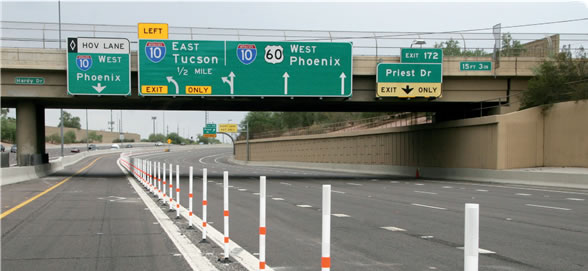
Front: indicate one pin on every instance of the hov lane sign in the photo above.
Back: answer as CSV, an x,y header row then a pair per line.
x,y
98,66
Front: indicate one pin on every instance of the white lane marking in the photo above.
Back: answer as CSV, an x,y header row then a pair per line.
x,y
419,184
394,182
242,189
286,183
481,190
201,159
304,206
576,199
521,188
340,215
522,194
216,160
211,181
427,237
339,192
374,180
277,198
393,228
257,194
548,207
481,251
447,187
425,192
191,253
428,206
356,184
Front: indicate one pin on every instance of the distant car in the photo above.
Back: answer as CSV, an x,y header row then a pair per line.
x,y
2,148
114,147
128,146
13,149
92,147
75,150
158,144
182,143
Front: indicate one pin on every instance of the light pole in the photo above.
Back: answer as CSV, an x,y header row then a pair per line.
x,y
418,42
154,118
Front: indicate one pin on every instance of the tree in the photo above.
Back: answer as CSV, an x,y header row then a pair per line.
x,y
157,138
175,138
7,127
69,121
511,47
452,48
562,78
69,137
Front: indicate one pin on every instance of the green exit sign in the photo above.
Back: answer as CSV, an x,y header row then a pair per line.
x,y
475,66
421,55
244,68
98,66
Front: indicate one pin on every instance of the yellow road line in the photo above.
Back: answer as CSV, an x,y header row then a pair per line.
x,y
47,191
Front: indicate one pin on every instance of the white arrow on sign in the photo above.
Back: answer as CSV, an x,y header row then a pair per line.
x,y
231,82
99,87
286,76
170,79
342,76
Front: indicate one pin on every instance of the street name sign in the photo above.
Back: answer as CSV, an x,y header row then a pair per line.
x,y
244,68
98,66
409,80
228,128
421,55
29,80
475,66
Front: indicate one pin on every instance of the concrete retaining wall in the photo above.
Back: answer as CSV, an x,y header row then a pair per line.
x,y
526,138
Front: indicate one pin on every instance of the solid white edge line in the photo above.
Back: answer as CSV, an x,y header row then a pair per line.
x,y
548,207
390,228
481,251
428,206
425,192
191,253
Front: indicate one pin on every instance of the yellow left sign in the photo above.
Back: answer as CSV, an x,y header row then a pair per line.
x,y
152,31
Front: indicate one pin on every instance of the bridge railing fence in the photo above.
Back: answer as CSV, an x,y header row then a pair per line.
x,y
46,35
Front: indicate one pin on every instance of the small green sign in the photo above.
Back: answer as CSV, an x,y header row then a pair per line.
x,y
209,129
475,66
98,66
29,80
409,73
420,55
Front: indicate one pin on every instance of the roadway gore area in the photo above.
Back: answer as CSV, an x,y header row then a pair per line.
x,y
96,220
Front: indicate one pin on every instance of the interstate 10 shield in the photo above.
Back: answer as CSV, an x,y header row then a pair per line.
x,y
84,62
246,53
155,51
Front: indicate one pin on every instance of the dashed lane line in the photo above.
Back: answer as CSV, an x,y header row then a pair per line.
x,y
390,228
428,206
425,192
548,207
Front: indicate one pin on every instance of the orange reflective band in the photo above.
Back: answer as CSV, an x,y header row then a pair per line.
x,y
164,182
226,240
171,185
177,190
190,213
261,265
326,262
190,195
203,224
178,206
262,230
164,195
226,213
170,199
204,202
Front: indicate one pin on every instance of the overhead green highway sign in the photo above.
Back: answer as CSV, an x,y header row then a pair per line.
x,y
98,66
244,68
421,55
409,80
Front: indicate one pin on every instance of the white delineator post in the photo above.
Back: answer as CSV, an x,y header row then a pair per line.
x,y
190,198
471,237
326,237
171,187
150,175
177,191
262,229
204,202
159,180
164,184
226,211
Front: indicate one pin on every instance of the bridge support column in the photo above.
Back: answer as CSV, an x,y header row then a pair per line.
x,y
30,134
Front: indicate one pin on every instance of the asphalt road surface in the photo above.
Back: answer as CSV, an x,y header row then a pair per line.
x,y
378,223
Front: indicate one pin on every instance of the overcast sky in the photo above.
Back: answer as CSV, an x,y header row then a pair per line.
x,y
346,16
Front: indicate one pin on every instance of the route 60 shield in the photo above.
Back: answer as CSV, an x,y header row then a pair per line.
x,y
246,53
274,54
84,63
155,51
